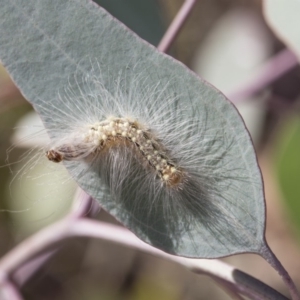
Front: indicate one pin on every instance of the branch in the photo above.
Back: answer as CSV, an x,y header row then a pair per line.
x,y
229,289
270,257
29,268
83,206
176,25
8,291
67,228
272,70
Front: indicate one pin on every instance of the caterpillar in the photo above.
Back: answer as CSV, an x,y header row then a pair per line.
x,y
102,135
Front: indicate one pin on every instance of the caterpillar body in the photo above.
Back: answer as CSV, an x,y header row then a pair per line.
x,y
103,135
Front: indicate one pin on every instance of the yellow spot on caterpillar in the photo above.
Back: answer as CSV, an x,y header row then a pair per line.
x,y
97,142
166,177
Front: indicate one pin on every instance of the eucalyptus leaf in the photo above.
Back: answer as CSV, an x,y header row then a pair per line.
x,y
72,61
283,18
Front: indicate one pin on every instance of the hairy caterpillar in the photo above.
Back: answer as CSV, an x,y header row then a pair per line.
x,y
152,159
101,136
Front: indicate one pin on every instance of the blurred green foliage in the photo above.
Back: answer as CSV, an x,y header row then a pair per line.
x,y
288,166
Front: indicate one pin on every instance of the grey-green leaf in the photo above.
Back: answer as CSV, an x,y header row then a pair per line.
x,y
283,18
71,60
143,17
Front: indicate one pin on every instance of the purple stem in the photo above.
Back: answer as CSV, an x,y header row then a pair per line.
x,y
273,69
229,288
8,291
69,228
234,290
83,206
26,271
176,25
270,257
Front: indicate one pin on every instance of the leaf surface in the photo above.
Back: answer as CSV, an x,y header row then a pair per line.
x,y
54,49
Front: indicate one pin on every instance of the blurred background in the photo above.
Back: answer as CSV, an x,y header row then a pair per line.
x,y
225,42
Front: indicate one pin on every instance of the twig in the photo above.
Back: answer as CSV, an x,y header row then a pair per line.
x,y
270,257
68,228
229,289
8,291
83,206
273,69
176,25
26,271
